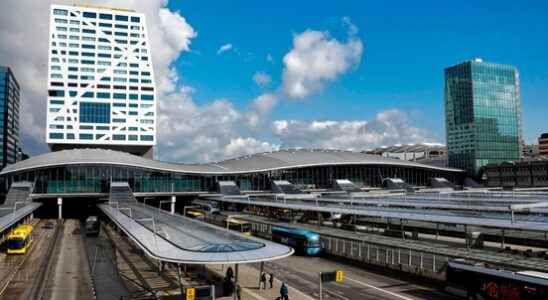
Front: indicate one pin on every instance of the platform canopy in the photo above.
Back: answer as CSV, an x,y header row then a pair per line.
x,y
179,239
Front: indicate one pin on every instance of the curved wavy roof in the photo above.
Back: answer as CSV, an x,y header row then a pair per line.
x,y
267,161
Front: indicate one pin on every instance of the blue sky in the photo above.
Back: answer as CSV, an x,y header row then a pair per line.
x,y
337,88
407,44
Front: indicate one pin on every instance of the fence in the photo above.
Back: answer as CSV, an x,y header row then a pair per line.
x,y
403,259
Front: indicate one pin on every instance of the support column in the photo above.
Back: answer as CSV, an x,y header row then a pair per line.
x,y
261,273
235,281
502,244
173,198
320,219
179,277
60,208
466,237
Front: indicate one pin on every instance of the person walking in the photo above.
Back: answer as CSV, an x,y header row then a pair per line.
x,y
284,293
229,273
263,281
271,280
238,292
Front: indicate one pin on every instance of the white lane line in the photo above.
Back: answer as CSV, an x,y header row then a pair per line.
x,y
378,289
299,292
335,294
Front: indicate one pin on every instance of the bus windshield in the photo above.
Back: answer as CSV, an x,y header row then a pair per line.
x,y
246,227
313,241
16,243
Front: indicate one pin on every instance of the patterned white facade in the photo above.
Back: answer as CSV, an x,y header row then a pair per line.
x,y
101,88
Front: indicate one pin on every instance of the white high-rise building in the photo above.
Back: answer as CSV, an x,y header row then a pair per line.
x,y
101,89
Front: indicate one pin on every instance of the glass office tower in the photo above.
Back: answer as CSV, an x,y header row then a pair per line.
x,y
10,97
483,114
101,89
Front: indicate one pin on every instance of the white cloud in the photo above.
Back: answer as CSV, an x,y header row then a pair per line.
x,y
317,58
387,128
265,103
351,27
224,48
209,132
262,79
260,108
244,146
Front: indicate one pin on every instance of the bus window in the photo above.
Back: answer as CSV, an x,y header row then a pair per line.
x,y
16,243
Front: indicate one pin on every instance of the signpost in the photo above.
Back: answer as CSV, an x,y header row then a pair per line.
x,y
201,292
337,276
190,294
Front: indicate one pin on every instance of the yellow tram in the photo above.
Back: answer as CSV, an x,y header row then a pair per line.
x,y
20,239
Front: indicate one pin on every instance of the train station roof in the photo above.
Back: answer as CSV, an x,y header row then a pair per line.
x,y
481,219
179,239
267,161
8,217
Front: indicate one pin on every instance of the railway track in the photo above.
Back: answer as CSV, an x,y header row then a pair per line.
x,y
12,265
37,290
14,287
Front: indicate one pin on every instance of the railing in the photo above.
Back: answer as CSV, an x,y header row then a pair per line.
x,y
392,257
398,258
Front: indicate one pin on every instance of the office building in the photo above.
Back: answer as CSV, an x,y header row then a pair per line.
x,y
10,101
483,114
101,89
543,144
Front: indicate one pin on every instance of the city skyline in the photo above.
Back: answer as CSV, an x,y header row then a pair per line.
x,y
222,98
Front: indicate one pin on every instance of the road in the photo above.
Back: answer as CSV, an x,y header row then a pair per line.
x,y
70,278
302,273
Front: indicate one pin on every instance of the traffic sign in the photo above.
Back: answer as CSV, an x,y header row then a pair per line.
x,y
339,276
190,294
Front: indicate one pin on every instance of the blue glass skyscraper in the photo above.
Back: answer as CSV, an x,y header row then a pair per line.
x,y
10,98
483,114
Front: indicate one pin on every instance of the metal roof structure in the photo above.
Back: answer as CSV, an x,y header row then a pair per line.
x,y
261,162
9,217
180,239
399,148
423,203
488,219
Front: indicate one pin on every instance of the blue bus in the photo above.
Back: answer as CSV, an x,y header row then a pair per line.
x,y
303,241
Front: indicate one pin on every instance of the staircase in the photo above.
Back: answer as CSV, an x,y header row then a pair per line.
x,y
121,192
19,192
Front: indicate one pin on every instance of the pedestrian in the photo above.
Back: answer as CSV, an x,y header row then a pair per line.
x,y
271,280
263,281
284,293
238,292
229,273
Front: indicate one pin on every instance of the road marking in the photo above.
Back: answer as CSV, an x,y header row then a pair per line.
x,y
335,294
379,289
299,292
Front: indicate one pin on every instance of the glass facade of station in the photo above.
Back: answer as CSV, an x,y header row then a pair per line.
x,y
483,114
97,178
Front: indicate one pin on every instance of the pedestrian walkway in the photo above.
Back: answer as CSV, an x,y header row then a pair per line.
x,y
248,278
